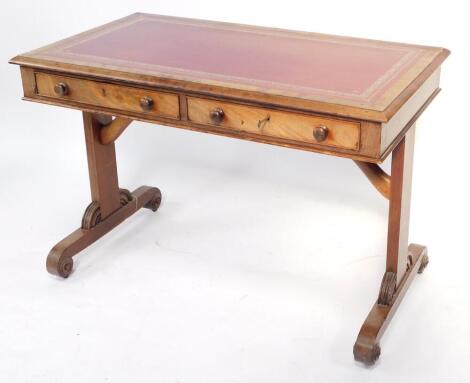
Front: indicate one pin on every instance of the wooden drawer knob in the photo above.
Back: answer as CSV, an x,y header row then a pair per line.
x,y
61,88
217,115
146,103
320,133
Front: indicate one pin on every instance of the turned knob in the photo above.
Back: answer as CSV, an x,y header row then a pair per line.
x,y
320,133
146,103
61,88
217,115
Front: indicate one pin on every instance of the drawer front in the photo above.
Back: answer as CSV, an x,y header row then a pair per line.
x,y
287,125
108,95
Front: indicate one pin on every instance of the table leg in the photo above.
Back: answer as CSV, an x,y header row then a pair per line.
x,y
403,261
110,205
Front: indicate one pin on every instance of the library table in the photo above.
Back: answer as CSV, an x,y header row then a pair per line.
x,y
348,97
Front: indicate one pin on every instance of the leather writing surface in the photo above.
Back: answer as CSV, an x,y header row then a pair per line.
x,y
247,56
343,70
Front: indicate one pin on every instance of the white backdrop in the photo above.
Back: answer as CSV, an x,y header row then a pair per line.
x,y
262,262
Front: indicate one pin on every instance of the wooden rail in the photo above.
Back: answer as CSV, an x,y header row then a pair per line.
x,y
376,176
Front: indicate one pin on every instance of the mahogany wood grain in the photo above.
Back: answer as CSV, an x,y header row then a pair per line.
x,y
367,347
109,95
370,141
370,136
350,77
111,131
376,176
422,97
341,96
29,82
59,261
376,142
101,168
399,206
266,122
402,262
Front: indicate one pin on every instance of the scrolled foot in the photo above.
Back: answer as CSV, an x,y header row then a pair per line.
x,y
156,200
366,348
58,264
367,354
59,261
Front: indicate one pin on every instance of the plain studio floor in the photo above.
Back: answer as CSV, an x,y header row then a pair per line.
x,y
260,265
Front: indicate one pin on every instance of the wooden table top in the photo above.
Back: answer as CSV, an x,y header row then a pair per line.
x,y
346,76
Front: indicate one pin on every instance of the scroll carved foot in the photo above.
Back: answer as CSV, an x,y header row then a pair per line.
x,y
155,202
59,261
367,349
366,353
387,288
58,264
92,215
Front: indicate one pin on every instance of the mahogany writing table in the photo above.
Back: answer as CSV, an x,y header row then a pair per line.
x,y
347,97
